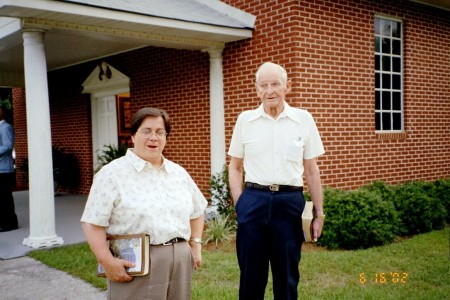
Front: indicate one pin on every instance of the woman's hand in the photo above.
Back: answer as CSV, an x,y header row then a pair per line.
x,y
115,269
196,234
196,249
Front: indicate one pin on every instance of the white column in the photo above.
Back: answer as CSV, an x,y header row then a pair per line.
x,y
217,111
41,194
217,118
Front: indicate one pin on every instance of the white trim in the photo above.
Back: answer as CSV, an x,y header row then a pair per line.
x,y
83,11
135,34
380,73
8,26
387,17
119,83
109,92
94,85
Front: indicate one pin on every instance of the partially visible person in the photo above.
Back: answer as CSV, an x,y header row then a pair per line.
x,y
143,192
8,217
275,145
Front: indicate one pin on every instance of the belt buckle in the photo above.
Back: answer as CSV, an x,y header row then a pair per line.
x,y
274,187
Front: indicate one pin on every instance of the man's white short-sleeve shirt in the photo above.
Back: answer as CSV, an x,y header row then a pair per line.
x,y
130,196
274,149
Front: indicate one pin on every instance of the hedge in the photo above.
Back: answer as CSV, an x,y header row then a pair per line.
x,y
376,214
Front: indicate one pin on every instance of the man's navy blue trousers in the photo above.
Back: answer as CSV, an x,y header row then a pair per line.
x,y
269,231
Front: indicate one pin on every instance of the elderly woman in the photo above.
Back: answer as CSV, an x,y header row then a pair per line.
x,y
143,192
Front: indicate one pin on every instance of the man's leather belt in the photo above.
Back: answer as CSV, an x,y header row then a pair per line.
x,y
274,187
173,241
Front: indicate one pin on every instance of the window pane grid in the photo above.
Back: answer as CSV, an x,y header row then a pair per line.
x,y
388,75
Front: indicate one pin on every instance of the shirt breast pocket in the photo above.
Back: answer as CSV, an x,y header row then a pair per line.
x,y
251,146
294,150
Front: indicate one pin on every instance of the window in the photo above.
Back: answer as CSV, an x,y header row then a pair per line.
x,y
388,75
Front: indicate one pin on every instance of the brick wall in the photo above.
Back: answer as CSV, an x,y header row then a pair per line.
x,y
178,82
70,119
327,48
174,80
20,143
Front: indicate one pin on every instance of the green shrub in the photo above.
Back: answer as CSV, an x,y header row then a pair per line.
x,y
6,105
221,195
219,230
110,153
418,207
382,188
66,171
357,219
442,190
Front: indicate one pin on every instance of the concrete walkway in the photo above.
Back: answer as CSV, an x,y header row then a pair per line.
x,y
22,277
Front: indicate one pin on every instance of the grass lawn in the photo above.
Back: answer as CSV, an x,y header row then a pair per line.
x,y
416,268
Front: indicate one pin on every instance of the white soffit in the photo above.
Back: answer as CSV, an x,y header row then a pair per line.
x,y
82,30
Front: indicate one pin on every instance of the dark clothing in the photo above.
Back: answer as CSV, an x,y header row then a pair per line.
x,y
269,231
8,217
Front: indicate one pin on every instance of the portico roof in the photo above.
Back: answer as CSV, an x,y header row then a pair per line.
x,y
83,30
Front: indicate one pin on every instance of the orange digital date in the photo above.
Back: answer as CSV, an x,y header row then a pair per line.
x,y
383,278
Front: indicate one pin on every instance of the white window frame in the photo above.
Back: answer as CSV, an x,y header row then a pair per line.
x,y
379,110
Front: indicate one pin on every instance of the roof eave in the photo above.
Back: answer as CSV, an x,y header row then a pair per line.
x,y
57,12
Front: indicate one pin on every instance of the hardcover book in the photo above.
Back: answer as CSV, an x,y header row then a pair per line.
x,y
307,218
134,248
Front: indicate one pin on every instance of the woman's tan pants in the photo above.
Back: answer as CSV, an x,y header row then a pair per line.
x,y
170,276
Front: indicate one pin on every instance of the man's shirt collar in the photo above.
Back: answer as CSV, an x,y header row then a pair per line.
x,y
288,111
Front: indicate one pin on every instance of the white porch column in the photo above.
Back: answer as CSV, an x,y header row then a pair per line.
x,y
42,200
217,135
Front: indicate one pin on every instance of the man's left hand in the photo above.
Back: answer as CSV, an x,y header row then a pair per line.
x,y
317,226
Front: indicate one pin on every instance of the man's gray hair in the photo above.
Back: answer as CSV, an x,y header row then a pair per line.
x,y
265,65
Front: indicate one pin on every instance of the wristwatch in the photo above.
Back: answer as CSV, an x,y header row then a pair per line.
x,y
196,240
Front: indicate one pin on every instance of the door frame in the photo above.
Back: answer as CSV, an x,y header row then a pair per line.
x,y
99,85
94,118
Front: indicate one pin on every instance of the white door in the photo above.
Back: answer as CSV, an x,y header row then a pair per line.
x,y
104,124
103,90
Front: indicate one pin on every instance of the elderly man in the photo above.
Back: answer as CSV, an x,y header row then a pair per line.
x,y
276,145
